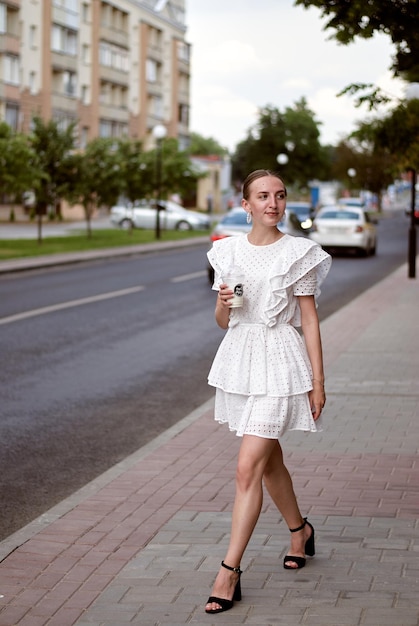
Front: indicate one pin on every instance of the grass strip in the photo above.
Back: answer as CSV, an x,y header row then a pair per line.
x,y
76,242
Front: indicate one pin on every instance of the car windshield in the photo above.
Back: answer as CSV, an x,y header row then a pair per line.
x,y
237,219
338,215
299,210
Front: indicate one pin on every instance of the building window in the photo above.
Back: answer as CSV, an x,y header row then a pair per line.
x,y
69,83
12,115
11,69
32,82
63,40
64,119
3,18
151,71
114,56
85,53
84,137
85,94
32,36
85,12
156,107
112,128
183,114
183,51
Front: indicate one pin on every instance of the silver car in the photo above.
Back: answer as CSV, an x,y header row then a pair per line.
x,y
173,216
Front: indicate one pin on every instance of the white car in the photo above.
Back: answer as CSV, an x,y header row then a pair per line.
x,y
172,216
347,227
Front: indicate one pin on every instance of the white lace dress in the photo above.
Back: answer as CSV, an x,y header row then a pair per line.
x,y
261,371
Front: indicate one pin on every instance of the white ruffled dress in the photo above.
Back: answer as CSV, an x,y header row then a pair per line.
x,y
261,371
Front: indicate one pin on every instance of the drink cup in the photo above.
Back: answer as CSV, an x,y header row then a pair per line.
x,y
235,283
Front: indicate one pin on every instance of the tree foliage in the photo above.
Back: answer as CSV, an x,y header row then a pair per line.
x,y
205,146
96,178
52,147
364,18
178,173
294,134
398,133
18,172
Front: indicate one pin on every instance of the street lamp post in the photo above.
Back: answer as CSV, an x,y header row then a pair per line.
x,y
412,92
159,133
412,227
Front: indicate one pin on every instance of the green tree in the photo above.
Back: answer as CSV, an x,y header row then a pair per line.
x,y
293,134
350,19
135,170
205,146
95,178
361,153
178,172
17,170
398,133
52,147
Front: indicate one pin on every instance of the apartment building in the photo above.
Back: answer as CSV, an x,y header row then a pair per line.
x,y
118,68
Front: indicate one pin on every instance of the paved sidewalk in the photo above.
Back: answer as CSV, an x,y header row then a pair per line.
x,y
142,543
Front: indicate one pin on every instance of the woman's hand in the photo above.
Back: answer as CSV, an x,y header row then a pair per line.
x,y
317,398
222,308
225,295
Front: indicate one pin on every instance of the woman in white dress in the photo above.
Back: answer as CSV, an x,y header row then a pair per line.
x,y
268,378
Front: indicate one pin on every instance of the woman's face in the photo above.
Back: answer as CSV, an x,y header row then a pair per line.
x,y
267,200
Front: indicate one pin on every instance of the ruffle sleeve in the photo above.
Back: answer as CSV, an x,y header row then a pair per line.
x,y
304,257
222,258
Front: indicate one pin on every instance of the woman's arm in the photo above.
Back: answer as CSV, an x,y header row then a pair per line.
x,y
311,331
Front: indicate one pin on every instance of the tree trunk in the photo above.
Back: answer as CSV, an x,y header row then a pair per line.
x,y
39,224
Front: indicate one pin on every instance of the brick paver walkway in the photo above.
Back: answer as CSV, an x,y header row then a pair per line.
x,y
142,544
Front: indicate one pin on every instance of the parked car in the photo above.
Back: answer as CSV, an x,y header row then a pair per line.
x,y
173,216
352,201
345,227
234,223
304,211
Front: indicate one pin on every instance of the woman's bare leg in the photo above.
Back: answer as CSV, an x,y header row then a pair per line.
x,y
253,456
279,485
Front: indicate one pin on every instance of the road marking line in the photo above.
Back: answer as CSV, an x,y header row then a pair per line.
x,y
69,304
180,279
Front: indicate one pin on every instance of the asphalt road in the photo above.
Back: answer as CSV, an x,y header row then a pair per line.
x,y
100,358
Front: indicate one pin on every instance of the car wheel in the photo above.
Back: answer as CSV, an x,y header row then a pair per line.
x,y
183,225
127,224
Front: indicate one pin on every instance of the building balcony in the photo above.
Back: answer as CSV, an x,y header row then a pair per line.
x,y
63,61
118,37
64,102
111,75
9,92
67,18
9,43
111,112
155,53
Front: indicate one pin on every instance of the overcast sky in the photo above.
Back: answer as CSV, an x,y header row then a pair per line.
x,y
248,54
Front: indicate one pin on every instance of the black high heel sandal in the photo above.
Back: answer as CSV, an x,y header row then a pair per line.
x,y
309,548
226,605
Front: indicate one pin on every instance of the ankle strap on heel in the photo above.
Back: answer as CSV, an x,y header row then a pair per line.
x,y
295,530
236,570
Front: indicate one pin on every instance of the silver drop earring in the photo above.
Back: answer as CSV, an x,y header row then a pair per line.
x,y
249,218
